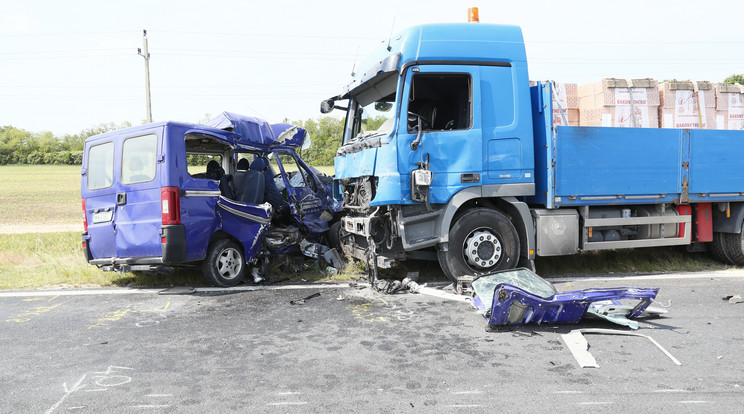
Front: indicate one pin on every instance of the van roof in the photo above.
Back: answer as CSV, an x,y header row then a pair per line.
x,y
231,137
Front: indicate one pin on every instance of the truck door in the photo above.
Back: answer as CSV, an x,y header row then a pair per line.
x,y
445,100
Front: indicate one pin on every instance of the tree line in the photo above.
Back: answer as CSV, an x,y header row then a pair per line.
x,y
18,146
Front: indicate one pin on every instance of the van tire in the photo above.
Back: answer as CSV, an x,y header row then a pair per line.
x,y
224,265
335,233
501,243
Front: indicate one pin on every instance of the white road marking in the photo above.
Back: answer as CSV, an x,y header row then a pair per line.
x,y
568,392
467,392
159,395
123,291
596,402
671,391
718,274
288,393
288,403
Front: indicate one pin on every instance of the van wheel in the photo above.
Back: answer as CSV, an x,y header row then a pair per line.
x,y
481,241
335,232
734,247
718,248
224,265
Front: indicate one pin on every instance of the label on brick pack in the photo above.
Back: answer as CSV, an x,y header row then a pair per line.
x,y
559,97
736,111
686,109
624,111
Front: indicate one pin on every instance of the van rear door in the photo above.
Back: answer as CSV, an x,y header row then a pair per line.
x,y
99,195
138,210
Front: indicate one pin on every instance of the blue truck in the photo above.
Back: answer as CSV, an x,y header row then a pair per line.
x,y
449,154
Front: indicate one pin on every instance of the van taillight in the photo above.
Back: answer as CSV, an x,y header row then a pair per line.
x,y
85,218
170,205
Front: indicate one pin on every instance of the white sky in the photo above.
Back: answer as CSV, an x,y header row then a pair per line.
x,y
69,65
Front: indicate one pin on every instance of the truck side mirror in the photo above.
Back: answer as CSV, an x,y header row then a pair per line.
x,y
326,106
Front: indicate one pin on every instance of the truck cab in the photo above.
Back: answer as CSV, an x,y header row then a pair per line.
x,y
452,101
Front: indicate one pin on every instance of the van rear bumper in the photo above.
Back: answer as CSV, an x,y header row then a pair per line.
x,y
173,243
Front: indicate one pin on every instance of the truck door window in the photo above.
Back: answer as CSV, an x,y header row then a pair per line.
x,y
443,101
138,159
101,166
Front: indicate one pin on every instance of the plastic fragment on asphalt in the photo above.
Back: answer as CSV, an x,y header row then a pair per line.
x,y
580,347
302,301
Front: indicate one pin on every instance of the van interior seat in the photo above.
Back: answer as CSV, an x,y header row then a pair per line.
x,y
251,187
214,170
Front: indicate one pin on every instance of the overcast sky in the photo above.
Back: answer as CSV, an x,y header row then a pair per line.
x,y
69,65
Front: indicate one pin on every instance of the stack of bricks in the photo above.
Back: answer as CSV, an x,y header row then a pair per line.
x,y
681,107
608,103
566,99
729,106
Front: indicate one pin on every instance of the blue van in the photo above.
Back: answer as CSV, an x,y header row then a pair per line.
x,y
150,204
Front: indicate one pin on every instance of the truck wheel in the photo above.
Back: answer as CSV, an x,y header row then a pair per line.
x,y
734,247
718,248
224,265
481,241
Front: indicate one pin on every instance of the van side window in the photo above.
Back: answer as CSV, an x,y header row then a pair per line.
x,y
101,166
205,156
138,157
441,100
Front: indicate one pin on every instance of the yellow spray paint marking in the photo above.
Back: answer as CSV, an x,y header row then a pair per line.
x,y
364,312
30,313
117,315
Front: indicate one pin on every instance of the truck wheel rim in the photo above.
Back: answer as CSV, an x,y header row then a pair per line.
x,y
482,249
229,264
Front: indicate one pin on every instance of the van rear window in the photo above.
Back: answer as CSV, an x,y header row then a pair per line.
x,y
138,159
101,166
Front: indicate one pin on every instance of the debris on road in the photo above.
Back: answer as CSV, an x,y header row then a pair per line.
x,y
302,301
579,346
391,287
519,297
733,298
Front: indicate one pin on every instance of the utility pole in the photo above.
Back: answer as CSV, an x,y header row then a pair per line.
x,y
144,52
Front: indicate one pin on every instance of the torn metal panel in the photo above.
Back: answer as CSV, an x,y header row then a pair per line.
x,y
519,297
579,346
246,222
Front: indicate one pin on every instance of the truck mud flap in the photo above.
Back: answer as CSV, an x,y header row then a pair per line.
x,y
246,222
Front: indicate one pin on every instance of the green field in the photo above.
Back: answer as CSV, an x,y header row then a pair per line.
x,y
40,195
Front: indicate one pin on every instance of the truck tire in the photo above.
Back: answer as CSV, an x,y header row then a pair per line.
x,y
718,248
734,247
481,241
224,265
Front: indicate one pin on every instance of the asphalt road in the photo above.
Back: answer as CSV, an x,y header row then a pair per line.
x,y
350,350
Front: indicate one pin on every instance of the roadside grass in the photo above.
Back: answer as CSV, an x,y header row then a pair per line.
x,y
40,194
52,260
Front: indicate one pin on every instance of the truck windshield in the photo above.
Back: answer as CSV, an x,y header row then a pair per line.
x,y
372,111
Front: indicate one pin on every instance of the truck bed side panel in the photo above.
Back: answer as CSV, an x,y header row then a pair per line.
x,y
626,163
716,165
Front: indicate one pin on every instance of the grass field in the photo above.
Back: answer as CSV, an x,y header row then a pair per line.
x,y
38,197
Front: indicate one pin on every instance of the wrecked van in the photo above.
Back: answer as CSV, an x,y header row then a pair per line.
x,y
150,206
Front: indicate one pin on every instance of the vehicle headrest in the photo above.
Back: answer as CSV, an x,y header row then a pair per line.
x,y
260,164
243,164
